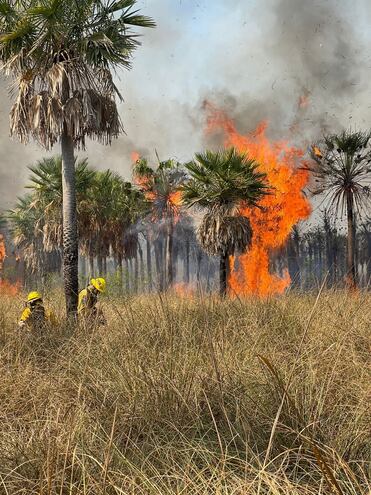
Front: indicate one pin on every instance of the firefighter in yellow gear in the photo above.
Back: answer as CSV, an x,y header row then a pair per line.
x,y
88,299
34,316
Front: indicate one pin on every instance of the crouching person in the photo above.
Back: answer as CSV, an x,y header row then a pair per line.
x,y
88,299
35,316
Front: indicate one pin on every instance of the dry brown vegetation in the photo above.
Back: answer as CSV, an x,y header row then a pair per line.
x,y
182,396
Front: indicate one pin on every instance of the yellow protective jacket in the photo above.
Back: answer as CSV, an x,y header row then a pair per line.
x,y
87,302
36,316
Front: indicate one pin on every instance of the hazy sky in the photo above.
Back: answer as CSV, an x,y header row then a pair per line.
x,y
253,58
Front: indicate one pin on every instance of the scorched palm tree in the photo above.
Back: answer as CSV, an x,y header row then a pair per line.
x,y
220,183
161,187
60,54
342,169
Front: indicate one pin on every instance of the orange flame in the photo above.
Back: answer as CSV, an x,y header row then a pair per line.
x,y
2,251
184,290
317,152
135,156
6,287
279,211
174,200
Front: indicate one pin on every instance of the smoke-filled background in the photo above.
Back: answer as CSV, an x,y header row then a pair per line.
x,y
304,66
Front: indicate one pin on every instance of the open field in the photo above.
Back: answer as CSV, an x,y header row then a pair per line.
x,y
191,396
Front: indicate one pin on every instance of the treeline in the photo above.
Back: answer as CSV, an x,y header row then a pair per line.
x,y
135,230
318,254
145,236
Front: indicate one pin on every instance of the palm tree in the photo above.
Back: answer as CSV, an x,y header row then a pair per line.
x,y
220,183
36,219
46,185
61,55
26,233
161,187
342,170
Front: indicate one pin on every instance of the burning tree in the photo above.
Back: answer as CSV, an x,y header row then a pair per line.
x,y
342,169
161,187
272,223
60,55
223,183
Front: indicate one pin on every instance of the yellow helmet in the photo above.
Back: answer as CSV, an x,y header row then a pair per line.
x,y
33,296
99,284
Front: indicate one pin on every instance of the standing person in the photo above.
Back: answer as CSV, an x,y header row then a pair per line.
x,y
88,299
34,316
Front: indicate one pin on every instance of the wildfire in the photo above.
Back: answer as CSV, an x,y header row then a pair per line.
x,y
173,200
184,290
5,286
317,152
135,156
279,212
2,251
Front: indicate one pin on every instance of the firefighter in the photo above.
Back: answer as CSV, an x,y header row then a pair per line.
x,y
34,316
88,299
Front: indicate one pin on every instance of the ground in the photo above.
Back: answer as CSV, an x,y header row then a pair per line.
x,y
190,396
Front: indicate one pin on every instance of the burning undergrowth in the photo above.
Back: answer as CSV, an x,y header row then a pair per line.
x,y
5,287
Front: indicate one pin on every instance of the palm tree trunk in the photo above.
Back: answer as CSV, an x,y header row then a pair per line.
x,y
199,263
351,271
149,263
187,266
70,239
127,276
142,275
368,267
169,255
100,264
159,269
223,274
136,272
91,266
119,270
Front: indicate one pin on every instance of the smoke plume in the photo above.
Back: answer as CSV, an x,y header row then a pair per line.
x,y
302,66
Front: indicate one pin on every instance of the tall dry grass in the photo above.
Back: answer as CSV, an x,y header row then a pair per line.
x,y
190,396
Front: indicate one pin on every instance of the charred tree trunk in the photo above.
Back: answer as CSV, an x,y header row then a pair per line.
x,y
127,276
368,268
100,264
91,266
169,255
223,274
149,263
292,254
140,251
199,263
119,271
186,261
136,272
70,239
351,271
159,264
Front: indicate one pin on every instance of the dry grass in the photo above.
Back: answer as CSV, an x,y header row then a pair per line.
x,y
171,397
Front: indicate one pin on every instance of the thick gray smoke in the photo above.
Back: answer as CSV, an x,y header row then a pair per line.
x,y
305,68
254,58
